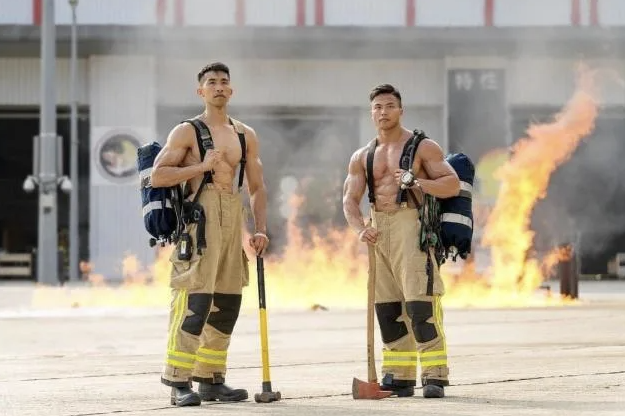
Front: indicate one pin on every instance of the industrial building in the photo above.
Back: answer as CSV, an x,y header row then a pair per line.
x,y
473,74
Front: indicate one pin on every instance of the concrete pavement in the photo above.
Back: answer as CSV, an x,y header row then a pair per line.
x,y
566,360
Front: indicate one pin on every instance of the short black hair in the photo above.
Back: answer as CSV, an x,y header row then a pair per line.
x,y
214,67
385,89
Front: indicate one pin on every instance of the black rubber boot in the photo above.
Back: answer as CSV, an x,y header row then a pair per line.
x,y
215,389
184,396
432,391
400,388
434,388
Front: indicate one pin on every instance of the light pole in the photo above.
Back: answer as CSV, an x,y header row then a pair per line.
x,y
74,238
47,157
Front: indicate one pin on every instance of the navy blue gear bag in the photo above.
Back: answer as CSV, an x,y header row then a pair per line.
x,y
457,212
161,207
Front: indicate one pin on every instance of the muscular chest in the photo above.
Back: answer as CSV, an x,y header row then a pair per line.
x,y
227,142
386,160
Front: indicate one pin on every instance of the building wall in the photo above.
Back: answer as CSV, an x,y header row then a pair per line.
x,y
426,13
306,83
20,81
119,105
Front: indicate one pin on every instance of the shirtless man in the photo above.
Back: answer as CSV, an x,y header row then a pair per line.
x,y
408,285
207,286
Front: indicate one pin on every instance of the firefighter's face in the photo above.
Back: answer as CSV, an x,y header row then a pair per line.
x,y
215,88
386,111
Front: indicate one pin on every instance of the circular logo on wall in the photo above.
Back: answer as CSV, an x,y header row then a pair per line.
x,y
116,156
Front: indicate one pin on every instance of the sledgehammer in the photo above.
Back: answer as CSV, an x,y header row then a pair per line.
x,y
370,390
267,396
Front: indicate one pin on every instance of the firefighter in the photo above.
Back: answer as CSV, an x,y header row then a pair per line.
x,y
408,285
209,266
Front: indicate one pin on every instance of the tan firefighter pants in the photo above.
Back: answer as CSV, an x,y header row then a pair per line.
x,y
207,293
407,296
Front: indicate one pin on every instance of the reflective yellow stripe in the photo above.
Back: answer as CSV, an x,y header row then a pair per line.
x,y
211,361
438,321
206,351
433,363
389,353
441,357
432,353
180,311
399,363
184,362
438,357
180,354
399,358
180,364
214,357
172,326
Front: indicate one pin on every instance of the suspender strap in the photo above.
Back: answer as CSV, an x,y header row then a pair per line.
x,y
241,135
406,161
370,184
204,143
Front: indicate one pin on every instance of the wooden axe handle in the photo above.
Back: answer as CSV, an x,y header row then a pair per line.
x,y
373,378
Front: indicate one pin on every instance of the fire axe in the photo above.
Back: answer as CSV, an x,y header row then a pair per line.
x,y
371,389
267,395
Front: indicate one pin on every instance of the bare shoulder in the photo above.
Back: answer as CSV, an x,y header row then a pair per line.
x,y
179,141
182,135
241,127
429,150
358,159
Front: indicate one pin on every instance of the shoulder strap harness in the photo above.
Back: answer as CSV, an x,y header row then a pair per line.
x,y
428,211
370,184
192,211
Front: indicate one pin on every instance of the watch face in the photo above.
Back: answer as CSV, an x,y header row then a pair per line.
x,y
406,177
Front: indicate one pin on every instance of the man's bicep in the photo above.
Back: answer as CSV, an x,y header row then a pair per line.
x,y
356,181
254,166
175,149
433,161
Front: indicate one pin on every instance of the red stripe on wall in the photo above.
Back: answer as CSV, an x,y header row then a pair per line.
x,y
37,12
239,12
576,13
411,12
161,9
594,12
300,12
179,7
319,13
489,11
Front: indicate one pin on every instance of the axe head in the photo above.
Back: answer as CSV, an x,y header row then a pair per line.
x,y
368,390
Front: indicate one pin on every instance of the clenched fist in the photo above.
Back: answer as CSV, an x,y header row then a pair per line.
x,y
368,235
259,243
211,159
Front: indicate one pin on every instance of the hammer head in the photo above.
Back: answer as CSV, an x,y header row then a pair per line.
x,y
368,391
267,397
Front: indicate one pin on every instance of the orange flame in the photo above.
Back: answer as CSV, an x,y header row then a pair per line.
x,y
524,180
329,269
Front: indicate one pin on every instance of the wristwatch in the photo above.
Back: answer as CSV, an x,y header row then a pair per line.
x,y
407,180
